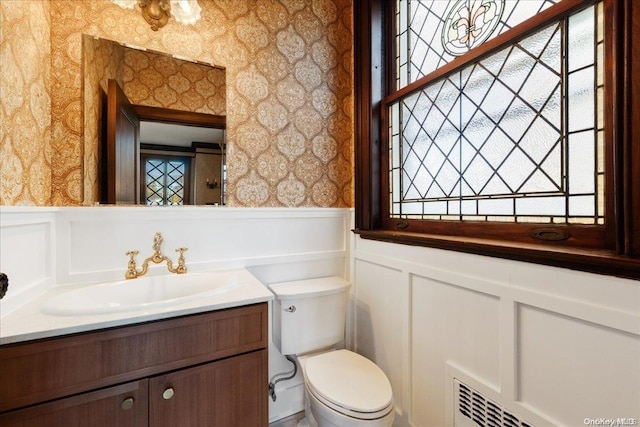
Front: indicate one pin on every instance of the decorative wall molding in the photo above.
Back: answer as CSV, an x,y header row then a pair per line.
x,y
542,341
27,253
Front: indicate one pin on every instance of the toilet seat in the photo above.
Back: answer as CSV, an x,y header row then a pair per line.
x,y
350,384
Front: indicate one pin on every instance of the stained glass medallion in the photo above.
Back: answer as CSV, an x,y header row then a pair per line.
x,y
431,33
469,23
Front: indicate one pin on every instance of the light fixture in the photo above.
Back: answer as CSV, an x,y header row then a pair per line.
x,y
158,12
213,184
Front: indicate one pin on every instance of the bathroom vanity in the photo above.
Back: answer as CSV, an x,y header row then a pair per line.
x,y
170,350
205,369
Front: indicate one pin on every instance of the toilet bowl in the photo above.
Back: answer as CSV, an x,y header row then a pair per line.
x,y
345,389
342,388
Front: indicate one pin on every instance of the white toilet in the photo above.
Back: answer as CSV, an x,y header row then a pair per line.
x,y
342,388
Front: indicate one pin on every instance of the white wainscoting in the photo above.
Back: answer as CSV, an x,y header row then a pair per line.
x,y
554,347
93,241
43,247
27,253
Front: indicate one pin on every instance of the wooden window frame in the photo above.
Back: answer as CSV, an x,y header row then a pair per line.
x,y
612,249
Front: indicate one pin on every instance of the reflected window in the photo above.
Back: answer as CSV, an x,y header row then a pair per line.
x,y
166,180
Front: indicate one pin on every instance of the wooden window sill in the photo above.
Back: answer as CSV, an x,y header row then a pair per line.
x,y
604,262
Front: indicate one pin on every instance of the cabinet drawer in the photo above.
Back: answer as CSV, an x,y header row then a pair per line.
x,y
37,371
109,407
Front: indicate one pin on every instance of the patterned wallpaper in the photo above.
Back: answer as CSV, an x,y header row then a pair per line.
x,y
25,105
159,80
289,92
101,62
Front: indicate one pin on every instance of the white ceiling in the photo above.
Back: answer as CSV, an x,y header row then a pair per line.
x,y
177,135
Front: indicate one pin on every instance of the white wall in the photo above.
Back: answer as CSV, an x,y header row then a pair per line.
x,y
553,346
45,247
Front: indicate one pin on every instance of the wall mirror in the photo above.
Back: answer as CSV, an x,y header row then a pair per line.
x,y
162,142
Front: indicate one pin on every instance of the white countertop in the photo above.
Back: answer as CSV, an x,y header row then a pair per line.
x,y
28,322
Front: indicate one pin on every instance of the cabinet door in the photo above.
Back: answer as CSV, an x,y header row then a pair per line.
x,y
228,393
125,405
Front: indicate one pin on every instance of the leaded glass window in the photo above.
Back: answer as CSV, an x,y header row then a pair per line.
x,y
165,181
431,33
517,136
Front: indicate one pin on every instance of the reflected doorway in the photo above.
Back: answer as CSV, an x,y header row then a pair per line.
x,y
166,158
182,165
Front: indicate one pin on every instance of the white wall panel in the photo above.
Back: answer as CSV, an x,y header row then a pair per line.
x,y
379,305
570,369
94,241
450,324
576,286
26,254
552,346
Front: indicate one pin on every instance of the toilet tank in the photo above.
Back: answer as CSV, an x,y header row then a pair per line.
x,y
309,314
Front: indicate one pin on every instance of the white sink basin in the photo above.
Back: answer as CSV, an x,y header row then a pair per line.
x,y
140,294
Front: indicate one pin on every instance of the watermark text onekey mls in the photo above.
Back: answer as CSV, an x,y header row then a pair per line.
x,y
611,422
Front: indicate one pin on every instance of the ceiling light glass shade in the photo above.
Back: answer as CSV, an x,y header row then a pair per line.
x,y
126,4
158,12
185,11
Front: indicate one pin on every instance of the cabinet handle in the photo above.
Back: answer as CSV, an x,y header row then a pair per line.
x,y
167,394
127,403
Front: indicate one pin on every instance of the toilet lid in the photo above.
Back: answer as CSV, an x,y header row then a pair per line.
x,y
349,380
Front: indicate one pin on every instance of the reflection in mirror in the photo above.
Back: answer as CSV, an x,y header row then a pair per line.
x,y
182,164
151,79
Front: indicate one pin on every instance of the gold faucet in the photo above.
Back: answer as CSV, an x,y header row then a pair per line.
x,y
157,258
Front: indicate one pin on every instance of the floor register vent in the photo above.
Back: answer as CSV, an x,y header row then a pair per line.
x,y
480,411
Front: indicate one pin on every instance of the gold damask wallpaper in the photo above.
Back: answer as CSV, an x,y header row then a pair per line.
x,y
289,87
101,62
25,103
159,80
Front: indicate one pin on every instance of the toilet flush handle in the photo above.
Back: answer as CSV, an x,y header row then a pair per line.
x,y
290,309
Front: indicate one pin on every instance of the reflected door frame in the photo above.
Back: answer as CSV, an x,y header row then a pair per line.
x,y
121,153
178,117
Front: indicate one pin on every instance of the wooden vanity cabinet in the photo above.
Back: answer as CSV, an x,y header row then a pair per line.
x,y
202,370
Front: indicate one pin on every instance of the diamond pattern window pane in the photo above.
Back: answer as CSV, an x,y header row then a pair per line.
x,y
164,182
154,188
513,137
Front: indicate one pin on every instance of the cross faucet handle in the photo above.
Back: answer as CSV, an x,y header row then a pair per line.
x,y
131,265
181,269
